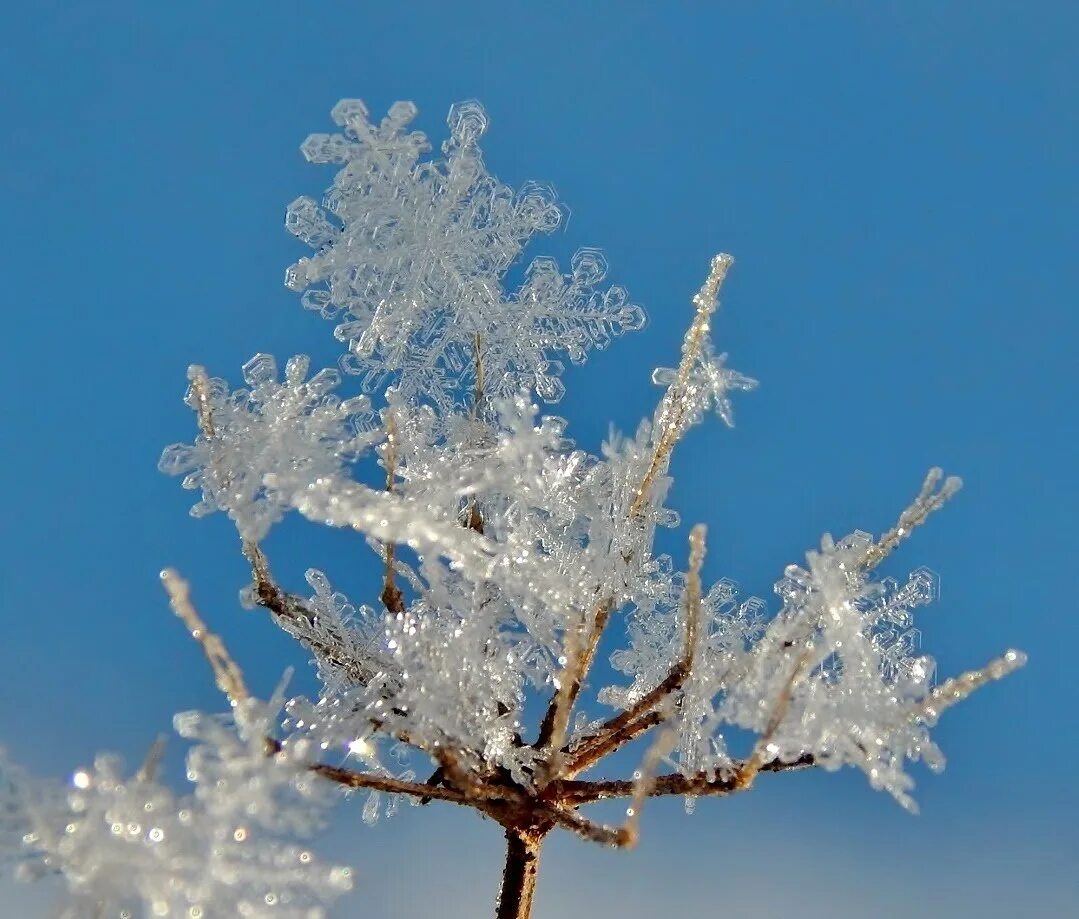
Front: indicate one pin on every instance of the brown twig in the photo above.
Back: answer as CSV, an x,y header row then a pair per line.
x,y
296,618
575,792
579,661
229,680
392,597
671,414
752,766
624,727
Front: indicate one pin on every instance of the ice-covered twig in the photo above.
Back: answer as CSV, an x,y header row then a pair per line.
x,y
929,499
956,689
227,675
631,723
762,748
670,425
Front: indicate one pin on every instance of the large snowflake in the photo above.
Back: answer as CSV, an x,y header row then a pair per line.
x,y
412,256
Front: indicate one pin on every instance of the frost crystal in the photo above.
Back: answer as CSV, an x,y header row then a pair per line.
x,y
251,433
130,847
413,254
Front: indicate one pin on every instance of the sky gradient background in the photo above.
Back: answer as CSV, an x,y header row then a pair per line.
x,y
898,184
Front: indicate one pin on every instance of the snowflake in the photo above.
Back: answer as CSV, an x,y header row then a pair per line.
x,y
709,383
415,255
296,426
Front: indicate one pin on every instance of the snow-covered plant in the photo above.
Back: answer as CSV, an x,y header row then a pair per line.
x,y
510,557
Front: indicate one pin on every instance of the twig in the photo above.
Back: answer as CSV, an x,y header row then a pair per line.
x,y
576,792
670,420
230,681
671,413
752,766
956,689
928,500
392,597
353,779
200,387
294,616
639,718
227,675
644,781
579,657
152,761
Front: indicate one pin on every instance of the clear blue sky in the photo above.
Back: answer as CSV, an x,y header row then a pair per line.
x,y
898,184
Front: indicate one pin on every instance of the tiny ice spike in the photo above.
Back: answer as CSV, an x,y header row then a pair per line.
x,y
508,560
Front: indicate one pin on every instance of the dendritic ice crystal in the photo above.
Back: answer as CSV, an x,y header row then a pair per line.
x,y
411,255
510,559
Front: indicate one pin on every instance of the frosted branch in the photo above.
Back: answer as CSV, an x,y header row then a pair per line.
x,y
929,499
227,675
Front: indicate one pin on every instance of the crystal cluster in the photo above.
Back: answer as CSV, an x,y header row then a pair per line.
x,y
411,256
296,425
131,847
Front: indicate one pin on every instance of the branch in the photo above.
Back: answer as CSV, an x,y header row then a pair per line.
x,y
672,408
293,615
626,835
633,722
391,595
227,675
352,779
671,416
230,681
956,689
928,500
748,772
579,661
575,792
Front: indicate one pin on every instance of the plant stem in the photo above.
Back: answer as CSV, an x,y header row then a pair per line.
x,y
519,875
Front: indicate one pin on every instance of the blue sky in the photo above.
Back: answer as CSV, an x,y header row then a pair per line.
x,y
897,182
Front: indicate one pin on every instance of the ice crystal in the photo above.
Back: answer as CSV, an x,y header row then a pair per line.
x,y
708,385
414,255
249,434
129,846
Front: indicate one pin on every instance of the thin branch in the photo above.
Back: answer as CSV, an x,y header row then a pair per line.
x,y
576,792
472,517
672,408
295,617
644,781
671,426
594,832
152,760
229,679
928,500
579,658
639,718
748,772
627,834
200,387
602,745
956,689
353,779
392,597
227,675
